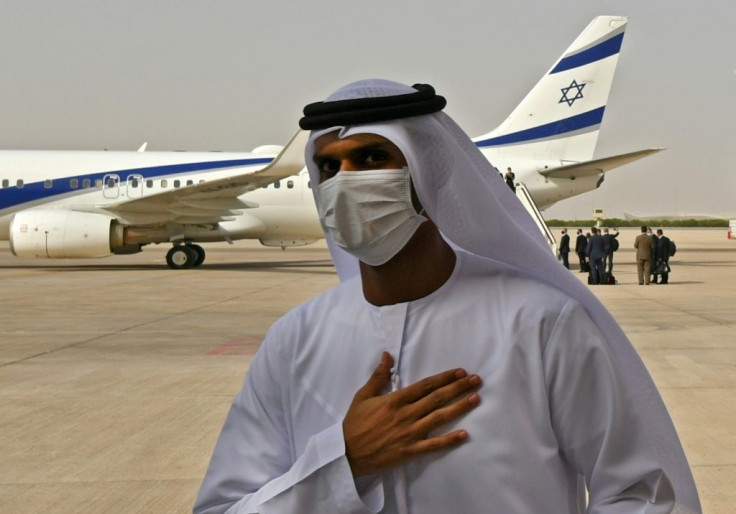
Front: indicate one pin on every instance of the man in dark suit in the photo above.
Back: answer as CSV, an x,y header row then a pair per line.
x,y
644,245
651,234
608,246
596,252
565,248
663,256
580,244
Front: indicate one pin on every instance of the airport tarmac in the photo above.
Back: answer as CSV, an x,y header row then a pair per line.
x,y
116,374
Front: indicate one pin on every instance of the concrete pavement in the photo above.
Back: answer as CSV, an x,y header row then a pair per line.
x,y
116,374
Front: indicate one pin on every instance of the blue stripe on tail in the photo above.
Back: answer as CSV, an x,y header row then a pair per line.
x,y
596,53
556,128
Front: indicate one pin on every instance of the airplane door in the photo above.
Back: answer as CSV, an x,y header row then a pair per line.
x,y
134,186
111,186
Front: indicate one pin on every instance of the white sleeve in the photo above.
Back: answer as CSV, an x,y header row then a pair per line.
x,y
599,430
254,467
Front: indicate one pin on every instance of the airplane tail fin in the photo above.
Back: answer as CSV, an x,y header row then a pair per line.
x,y
560,118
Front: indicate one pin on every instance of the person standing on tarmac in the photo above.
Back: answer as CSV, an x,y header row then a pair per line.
x,y
581,243
610,245
565,248
644,244
663,257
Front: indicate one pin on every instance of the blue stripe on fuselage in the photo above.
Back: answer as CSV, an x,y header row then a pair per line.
x,y
600,51
34,191
556,128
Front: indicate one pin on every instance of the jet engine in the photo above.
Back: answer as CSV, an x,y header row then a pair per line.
x,y
58,234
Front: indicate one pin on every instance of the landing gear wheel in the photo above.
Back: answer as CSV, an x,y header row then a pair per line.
x,y
181,257
199,251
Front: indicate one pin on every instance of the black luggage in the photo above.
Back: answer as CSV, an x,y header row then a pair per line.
x,y
661,268
609,279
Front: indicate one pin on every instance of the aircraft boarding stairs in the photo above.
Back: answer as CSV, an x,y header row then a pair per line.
x,y
522,193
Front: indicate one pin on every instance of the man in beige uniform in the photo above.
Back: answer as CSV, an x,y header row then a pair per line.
x,y
644,247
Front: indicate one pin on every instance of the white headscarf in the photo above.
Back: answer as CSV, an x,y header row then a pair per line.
x,y
475,210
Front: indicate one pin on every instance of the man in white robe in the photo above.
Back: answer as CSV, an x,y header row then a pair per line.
x,y
554,398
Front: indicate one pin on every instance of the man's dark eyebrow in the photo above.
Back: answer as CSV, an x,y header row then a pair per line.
x,y
318,158
383,146
380,146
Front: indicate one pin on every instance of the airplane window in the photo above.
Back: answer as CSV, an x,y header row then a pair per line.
x,y
74,183
290,184
309,185
149,183
177,183
98,182
6,182
134,182
111,182
201,180
190,182
164,183
47,184
277,184
19,183
85,183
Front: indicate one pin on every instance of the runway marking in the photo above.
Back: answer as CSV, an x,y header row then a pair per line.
x,y
245,346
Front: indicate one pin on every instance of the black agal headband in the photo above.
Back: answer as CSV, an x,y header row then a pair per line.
x,y
321,115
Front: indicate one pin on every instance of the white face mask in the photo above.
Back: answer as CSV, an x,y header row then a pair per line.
x,y
369,213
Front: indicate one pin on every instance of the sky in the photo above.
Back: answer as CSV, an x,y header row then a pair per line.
x,y
233,75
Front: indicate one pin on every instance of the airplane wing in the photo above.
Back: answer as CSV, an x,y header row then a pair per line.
x,y
213,201
597,166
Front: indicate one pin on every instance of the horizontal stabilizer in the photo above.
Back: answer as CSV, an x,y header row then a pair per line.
x,y
597,166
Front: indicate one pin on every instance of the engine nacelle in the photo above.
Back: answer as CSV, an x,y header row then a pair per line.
x,y
57,234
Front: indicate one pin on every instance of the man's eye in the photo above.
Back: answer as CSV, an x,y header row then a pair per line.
x,y
327,169
374,158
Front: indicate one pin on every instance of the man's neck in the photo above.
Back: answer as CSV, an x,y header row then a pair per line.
x,y
419,269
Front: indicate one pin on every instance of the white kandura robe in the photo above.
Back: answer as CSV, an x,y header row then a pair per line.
x,y
554,404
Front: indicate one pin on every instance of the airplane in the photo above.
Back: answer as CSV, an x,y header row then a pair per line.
x,y
78,204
